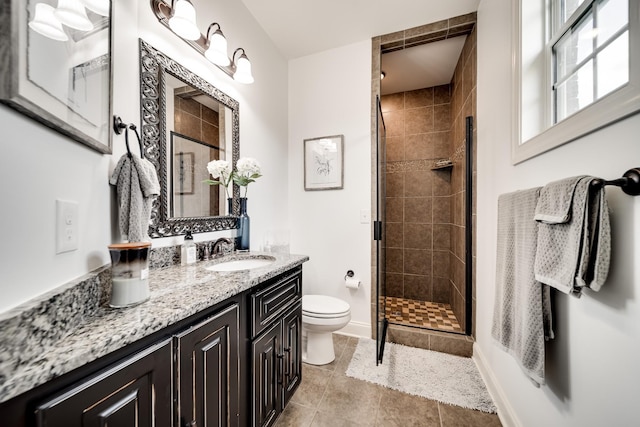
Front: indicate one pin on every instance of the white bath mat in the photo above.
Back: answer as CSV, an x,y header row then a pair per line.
x,y
438,376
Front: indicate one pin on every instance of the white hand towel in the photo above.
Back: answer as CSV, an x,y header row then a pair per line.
x,y
522,310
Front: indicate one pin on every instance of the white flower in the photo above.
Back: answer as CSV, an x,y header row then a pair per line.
x,y
219,169
248,167
247,171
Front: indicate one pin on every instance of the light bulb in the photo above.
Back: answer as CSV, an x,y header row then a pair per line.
x,y
243,70
217,51
45,23
101,7
183,20
73,14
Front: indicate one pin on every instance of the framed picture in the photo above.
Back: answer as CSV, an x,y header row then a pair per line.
x,y
183,170
58,71
324,163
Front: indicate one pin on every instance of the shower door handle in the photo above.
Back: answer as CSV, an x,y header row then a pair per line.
x,y
377,230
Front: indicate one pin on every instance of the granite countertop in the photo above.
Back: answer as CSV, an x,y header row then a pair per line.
x,y
177,292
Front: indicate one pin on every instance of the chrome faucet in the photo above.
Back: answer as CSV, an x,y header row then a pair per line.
x,y
219,246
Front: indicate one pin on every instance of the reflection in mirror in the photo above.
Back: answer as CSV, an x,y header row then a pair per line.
x,y
74,69
199,124
189,195
186,123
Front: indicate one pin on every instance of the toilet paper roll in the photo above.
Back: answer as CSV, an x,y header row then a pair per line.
x,y
352,282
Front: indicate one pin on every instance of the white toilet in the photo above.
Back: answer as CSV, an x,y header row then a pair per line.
x,y
321,315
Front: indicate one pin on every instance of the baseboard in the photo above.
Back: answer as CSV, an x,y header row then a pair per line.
x,y
356,329
506,413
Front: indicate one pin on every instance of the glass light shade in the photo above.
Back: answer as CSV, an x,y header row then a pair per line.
x,y
183,20
101,7
217,51
45,23
73,14
243,70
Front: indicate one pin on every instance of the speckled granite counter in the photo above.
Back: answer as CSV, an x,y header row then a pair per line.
x,y
44,339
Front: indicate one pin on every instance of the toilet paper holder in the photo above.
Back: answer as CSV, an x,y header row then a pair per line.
x,y
350,273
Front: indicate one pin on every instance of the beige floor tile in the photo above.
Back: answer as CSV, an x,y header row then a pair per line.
x,y
350,399
404,410
314,383
295,416
456,416
324,419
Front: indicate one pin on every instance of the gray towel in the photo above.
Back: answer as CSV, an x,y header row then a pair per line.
x,y
137,186
574,240
522,310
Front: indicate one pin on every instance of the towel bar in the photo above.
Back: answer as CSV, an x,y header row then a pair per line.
x,y
630,182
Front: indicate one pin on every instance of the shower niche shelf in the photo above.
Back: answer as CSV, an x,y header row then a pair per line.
x,y
442,164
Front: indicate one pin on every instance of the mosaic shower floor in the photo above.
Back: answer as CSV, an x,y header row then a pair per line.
x,y
421,313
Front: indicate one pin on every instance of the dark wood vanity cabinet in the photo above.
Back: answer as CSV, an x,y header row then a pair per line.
x,y
276,354
208,359
233,364
135,392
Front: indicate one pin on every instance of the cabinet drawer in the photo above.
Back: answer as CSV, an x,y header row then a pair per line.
x,y
135,392
271,301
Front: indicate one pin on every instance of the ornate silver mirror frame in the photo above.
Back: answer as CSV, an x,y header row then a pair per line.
x,y
154,65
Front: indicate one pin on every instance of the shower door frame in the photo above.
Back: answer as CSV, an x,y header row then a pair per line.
x,y
379,233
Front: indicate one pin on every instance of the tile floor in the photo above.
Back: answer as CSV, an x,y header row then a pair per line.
x,y
411,312
327,397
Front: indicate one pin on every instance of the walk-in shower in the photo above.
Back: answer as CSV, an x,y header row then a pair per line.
x,y
424,197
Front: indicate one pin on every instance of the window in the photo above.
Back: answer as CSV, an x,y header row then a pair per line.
x,y
577,70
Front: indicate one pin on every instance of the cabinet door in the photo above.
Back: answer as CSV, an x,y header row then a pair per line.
x,y
136,393
208,359
292,351
266,374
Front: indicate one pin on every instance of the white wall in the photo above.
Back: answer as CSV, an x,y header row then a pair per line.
x,y
39,165
592,371
329,94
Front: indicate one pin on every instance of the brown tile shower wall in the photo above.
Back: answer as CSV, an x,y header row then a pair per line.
x,y
199,122
463,101
418,201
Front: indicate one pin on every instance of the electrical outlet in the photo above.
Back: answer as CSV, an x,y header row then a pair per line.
x,y
365,216
66,226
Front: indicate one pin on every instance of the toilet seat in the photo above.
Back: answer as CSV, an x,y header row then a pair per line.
x,y
324,307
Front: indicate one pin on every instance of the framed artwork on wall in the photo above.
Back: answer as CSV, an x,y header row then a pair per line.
x,y
324,163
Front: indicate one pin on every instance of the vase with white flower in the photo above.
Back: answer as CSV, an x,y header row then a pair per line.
x,y
247,171
222,174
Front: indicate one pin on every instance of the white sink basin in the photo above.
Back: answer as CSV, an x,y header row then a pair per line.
x,y
241,264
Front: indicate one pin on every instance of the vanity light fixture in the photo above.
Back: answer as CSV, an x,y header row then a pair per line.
x,y
217,46
242,67
382,75
183,19
101,7
73,14
213,46
45,23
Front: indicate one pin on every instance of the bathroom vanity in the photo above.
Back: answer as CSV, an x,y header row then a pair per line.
x,y
208,349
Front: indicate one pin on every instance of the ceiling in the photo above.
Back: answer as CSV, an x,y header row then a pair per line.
x,y
427,65
304,27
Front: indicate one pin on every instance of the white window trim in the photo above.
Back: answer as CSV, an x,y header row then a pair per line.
x,y
609,109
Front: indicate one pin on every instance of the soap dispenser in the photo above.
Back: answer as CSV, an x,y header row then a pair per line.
x,y
188,253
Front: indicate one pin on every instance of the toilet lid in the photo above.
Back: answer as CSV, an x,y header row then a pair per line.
x,y
324,305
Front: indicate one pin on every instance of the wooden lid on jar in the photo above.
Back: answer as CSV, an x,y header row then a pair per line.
x,y
130,245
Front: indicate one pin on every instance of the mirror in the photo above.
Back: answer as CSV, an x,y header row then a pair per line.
x,y
57,66
186,123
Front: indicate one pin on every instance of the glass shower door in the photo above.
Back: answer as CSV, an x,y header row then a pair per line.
x,y
378,234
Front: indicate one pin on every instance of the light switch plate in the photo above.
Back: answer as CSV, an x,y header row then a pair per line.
x,y
66,226
365,216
